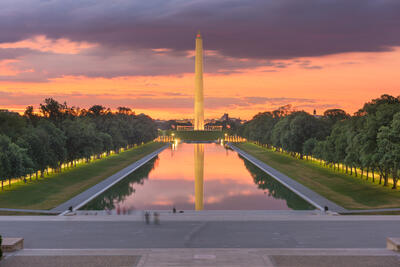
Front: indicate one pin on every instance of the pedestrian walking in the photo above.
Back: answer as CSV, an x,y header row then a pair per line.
x,y
156,218
147,217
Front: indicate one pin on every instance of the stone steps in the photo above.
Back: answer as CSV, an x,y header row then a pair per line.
x,y
11,244
393,243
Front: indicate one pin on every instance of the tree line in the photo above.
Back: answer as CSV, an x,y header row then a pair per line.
x,y
367,142
60,135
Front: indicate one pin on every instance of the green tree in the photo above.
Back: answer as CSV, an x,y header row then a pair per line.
x,y
309,146
82,140
56,142
389,149
14,161
335,115
11,124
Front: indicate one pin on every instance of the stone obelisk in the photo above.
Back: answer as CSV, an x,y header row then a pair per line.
x,y
198,94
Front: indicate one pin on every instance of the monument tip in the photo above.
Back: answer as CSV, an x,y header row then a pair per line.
x,y
198,34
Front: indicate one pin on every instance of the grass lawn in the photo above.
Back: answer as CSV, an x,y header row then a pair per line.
x,y
17,213
55,189
374,213
196,135
345,190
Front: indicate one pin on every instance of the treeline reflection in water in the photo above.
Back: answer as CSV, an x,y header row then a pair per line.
x,y
111,198
275,188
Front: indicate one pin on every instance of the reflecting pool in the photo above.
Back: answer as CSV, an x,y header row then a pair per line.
x,y
196,177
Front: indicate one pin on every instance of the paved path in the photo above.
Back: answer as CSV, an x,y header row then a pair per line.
x,y
84,197
204,215
203,257
312,231
307,194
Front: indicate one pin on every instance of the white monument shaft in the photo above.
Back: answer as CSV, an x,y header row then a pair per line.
x,y
198,94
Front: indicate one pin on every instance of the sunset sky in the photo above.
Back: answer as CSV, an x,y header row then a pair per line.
x,y
260,54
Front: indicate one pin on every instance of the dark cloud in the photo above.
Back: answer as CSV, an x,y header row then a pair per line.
x,y
154,37
306,64
100,62
13,53
259,29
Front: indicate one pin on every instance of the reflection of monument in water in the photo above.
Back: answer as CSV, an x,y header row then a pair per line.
x,y
198,175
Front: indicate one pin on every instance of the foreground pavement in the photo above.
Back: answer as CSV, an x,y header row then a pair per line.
x,y
209,238
202,257
203,230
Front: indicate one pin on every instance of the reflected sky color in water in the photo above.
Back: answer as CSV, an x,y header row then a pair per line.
x,y
229,183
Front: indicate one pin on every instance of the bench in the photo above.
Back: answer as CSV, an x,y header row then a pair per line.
x,y
393,243
11,244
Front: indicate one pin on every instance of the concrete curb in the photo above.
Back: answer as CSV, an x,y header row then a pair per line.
x,y
232,257
30,211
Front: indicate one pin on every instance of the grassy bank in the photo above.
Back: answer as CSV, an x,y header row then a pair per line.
x,y
17,213
347,191
57,188
199,135
196,135
374,213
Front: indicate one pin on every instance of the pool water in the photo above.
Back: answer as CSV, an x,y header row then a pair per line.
x,y
199,176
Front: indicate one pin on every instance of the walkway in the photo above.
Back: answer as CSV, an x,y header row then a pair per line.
x,y
176,231
307,194
86,196
203,257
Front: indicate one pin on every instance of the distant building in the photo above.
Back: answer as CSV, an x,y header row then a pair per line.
x,y
224,117
224,122
206,128
315,114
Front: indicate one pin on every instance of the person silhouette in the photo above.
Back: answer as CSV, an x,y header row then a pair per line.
x,y
156,218
147,217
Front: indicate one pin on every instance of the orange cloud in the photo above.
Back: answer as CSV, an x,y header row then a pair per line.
x,y
6,69
44,44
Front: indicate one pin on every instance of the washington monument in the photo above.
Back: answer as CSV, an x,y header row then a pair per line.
x,y
198,94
